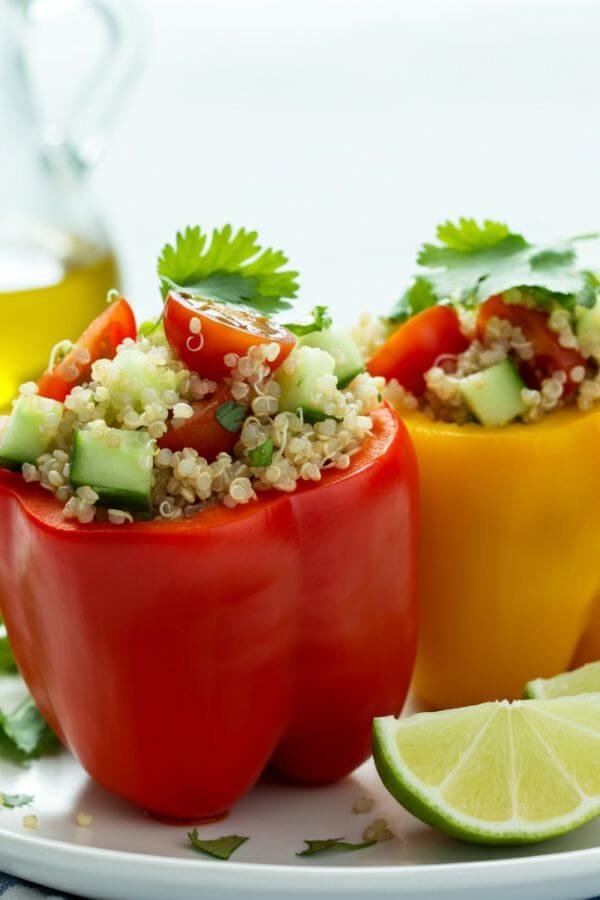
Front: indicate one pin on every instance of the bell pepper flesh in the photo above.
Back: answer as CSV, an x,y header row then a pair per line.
x,y
509,571
180,659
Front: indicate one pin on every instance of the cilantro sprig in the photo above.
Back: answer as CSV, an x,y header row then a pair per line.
x,y
320,321
24,734
14,801
231,268
332,845
218,848
472,261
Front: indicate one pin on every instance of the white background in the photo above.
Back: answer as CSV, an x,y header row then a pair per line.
x,y
344,131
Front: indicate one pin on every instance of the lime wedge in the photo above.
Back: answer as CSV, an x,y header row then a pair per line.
x,y
585,680
498,773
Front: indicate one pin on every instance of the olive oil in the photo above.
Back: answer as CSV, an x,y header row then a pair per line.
x,y
49,291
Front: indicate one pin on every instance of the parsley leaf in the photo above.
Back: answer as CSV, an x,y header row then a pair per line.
x,y
474,261
262,456
419,296
231,268
12,801
24,734
332,845
219,848
321,321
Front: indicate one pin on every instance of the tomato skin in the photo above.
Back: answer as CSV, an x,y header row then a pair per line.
x,y
202,431
203,353
549,356
414,347
101,339
285,626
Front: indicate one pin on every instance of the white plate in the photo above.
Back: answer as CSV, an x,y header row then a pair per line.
x,y
126,855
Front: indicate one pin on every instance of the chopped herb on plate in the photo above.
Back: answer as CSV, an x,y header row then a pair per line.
x,y
219,848
332,845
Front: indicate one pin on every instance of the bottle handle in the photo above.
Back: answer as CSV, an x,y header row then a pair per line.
x,y
77,143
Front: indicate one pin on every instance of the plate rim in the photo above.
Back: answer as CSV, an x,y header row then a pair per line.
x,y
126,857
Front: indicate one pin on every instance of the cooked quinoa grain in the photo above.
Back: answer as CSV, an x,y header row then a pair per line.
x,y
378,830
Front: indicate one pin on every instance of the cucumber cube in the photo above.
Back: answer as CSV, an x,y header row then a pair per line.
x,y
135,371
298,379
121,475
23,439
348,361
588,322
494,395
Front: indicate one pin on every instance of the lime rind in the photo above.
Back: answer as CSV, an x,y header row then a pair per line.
x,y
427,804
584,680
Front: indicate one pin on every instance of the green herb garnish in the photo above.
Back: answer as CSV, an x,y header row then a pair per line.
x,y
231,415
262,456
332,845
219,848
419,296
24,734
13,801
321,321
472,262
149,327
231,268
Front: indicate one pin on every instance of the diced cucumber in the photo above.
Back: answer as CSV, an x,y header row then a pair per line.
x,y
587,322
494,395
23,439
298,379
121,476
135,371
348,361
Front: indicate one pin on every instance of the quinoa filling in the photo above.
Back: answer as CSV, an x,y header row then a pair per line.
x,y
184,482
443,399
492,330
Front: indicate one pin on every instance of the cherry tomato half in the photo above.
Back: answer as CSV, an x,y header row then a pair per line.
x,y
202,431
414,347
201,332
99,341
549,356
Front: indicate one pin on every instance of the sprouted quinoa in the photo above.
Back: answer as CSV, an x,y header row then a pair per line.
x,y
184,482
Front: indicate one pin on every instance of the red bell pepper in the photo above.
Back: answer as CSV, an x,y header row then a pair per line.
x,y
178,660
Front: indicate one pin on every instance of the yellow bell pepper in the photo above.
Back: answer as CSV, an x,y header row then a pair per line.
x,y
510,554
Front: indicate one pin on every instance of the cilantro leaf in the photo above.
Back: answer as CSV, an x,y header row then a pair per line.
x,y
262,456
468,235
12,801
473,261
332,845
231,415
24,733
232,268
419,296
219,848
149,327
321,321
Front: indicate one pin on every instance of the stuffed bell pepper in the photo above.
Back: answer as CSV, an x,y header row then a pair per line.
x,y
208,531
492,357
